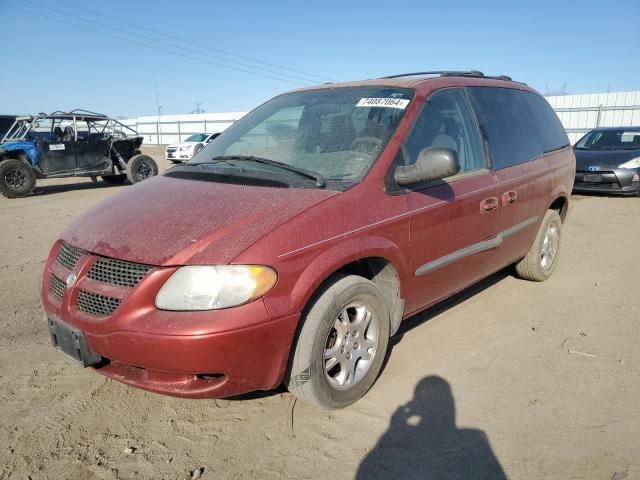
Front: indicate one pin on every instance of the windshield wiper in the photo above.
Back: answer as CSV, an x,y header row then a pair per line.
x,y
320,181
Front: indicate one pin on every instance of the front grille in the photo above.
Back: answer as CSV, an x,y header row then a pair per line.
x,y
118,272
68,256
96,305
57,287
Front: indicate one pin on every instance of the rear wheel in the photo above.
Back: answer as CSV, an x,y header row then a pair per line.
x,y
115,179
16,178
342,344
542,258
141,167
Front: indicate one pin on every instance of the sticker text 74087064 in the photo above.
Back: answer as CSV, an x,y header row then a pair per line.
x,y
383,102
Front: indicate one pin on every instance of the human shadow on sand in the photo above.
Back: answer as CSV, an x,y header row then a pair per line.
x,y
423,442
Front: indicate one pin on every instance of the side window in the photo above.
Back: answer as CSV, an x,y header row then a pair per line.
x,y
446,121
552,133
42,130
510,129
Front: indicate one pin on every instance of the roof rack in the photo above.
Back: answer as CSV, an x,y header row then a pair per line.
x,y
78,112
452,73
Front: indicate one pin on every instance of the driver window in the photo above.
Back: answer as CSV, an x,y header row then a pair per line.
x,y
446,121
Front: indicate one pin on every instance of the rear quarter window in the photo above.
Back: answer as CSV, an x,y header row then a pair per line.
x,y
551,130
508,124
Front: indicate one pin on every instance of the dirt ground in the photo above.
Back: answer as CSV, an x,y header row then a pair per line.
x,y
536,380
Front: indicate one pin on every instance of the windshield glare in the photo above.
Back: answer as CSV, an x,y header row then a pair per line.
x,y
197,137
338,133
610,140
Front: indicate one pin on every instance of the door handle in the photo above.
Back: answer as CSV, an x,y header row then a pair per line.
x,y
509,197
489,204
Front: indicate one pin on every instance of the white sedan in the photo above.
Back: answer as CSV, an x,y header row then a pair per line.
x,y
180,152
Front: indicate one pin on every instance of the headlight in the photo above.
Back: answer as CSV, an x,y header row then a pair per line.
x,y
635,163
211,288
184,149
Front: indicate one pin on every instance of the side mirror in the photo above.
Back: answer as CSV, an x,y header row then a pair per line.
x,y
432,164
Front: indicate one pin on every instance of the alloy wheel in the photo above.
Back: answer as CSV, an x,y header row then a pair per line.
x,y
350,346
549,246
15,178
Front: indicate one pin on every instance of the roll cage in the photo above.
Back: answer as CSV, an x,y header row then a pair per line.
x,y
96,122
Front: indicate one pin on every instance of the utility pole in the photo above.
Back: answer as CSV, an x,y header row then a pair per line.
x,y
158,106
198,109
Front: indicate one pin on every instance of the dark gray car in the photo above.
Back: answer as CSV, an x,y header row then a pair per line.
x,y
608,161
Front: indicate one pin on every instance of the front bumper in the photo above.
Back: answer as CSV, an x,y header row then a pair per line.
x,y
176,155
204,366
207,354
620,181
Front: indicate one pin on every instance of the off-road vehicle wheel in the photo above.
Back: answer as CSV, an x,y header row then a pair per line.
x,y
141,167
541,261
16,178
115,179
342,344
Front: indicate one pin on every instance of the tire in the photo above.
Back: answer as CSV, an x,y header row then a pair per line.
x,y
141,167
542,258
16,178
115,179
308,377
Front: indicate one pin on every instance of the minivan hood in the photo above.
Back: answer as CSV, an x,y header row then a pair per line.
x,y
170,221
604,158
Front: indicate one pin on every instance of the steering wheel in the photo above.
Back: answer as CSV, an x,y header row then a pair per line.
x,y
365,144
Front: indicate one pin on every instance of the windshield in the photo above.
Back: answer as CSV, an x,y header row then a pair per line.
x,y
337,133
610,140
197,137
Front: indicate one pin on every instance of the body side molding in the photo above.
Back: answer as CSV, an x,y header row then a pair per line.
x,y
474,248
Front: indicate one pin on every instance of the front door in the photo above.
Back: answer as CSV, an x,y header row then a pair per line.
x,y
57,145
454,221
57,156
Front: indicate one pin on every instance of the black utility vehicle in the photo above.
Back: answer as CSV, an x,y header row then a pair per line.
x,y
70,144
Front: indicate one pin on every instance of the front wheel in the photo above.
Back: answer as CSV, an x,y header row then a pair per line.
x,y
542,258
141,167
16,178
197,149
342,344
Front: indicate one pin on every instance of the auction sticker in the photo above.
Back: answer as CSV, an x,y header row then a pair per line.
x,y
56,146
400,103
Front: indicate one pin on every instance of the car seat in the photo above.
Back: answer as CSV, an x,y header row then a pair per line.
x,y
342,132
447,133
57,135
69,134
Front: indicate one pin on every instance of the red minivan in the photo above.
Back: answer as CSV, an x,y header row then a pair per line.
x,y
291,247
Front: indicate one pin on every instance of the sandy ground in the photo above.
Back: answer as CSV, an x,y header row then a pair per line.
x,y
533,380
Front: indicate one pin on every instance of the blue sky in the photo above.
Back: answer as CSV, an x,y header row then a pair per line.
x,y
589,46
